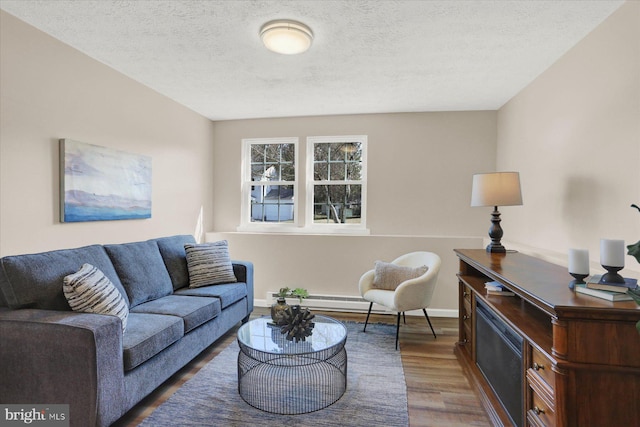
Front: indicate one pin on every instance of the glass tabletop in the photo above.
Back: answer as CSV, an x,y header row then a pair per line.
x,y
262,335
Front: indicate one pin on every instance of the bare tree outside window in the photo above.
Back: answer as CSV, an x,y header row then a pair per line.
x,y
337,187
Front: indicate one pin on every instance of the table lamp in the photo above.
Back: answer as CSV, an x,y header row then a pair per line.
x,y
496,189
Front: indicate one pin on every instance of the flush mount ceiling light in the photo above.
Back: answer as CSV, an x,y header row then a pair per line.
x,y
286,36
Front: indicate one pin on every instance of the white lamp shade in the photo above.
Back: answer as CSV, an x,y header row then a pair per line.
x,y
579,261
496,189
612,252
286,37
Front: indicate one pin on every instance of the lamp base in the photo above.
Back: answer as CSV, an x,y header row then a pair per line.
x,y
495,233
612,276
496,248
579,280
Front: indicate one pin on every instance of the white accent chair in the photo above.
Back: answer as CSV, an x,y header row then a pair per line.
x,y
413,294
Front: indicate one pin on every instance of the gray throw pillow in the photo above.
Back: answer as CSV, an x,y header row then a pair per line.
x,y
388,276
90,291
209,264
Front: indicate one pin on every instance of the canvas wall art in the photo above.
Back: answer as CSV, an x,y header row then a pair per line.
x,y
103,184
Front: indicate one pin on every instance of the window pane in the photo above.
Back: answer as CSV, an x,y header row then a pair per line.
x,y
320,171
339,204
288,153
257,153
336,151
270,162
338,161
288,172
273,162
337,171
272,203
354,171
272,153
321,152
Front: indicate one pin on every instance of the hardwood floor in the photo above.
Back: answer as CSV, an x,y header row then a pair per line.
x,y
438,393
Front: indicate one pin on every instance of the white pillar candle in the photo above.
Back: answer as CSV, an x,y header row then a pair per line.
x,y
579,261
612,252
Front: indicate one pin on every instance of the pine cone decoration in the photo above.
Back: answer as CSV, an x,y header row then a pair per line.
x,y
296,323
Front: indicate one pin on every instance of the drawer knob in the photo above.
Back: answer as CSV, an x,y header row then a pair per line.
x,y
538,411
465,317
537,367
464,294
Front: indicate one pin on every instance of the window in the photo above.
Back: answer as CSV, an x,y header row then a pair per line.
x,y
336,181
269,188
334,194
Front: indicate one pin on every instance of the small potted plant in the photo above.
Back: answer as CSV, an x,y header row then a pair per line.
x,y
278,309
299,293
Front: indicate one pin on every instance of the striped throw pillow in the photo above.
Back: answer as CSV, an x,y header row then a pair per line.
x,y
90,291
209,264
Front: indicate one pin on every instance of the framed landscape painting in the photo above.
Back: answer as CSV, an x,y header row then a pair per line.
x,y
103,184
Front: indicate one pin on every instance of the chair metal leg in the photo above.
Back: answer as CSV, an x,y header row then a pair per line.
x,y
427,316
397,330
367,321
404,317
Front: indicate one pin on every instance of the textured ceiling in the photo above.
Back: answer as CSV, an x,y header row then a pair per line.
x,y
367,56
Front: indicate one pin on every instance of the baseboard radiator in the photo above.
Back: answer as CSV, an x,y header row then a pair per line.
x,y
348,303
330,303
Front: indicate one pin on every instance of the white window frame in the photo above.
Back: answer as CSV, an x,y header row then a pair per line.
x,y
329,228
245,223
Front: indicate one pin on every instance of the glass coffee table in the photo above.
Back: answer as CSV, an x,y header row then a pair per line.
x,y
288,377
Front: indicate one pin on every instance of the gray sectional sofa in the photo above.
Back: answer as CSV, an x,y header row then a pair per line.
x,y
52,355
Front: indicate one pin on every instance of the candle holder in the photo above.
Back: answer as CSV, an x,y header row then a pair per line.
x,y
612,276
579,280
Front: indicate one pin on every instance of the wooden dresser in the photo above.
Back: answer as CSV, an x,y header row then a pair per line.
x,y
580,354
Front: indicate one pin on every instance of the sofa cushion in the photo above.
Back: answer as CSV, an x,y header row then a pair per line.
x,y
388,276
209,264
227,293
147,335
90,291
194,311
175,258
141,270
35,280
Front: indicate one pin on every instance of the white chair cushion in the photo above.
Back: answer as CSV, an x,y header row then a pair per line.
x,y
388,276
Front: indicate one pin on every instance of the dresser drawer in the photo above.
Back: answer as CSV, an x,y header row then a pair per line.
x,y
466,294
540,413
541,365
466,312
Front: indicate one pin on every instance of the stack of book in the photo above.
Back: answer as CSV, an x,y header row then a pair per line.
x,y
596,287
496,288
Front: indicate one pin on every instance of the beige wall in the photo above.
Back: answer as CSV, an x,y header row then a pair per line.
x,y
574,134
419,166
332,265
51,91
419,189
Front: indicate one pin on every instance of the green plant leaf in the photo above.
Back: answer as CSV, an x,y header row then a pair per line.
x,y
284,292
635,294
634,250
300,293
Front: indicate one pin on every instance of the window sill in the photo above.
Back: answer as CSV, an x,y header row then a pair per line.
x,y
324,231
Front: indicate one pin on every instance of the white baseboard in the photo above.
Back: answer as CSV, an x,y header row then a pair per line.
x,y
356,307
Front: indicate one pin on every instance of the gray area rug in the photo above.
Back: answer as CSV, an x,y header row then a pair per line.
x,y
376,392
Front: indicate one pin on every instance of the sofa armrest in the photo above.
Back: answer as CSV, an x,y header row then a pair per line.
x,y
61,357
243,270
